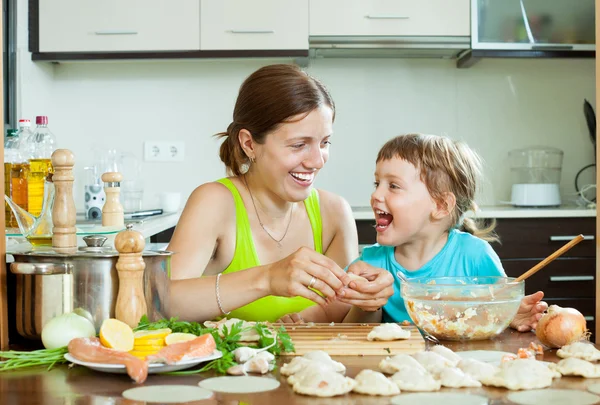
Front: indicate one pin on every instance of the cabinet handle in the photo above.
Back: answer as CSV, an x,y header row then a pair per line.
x,y
569,237
252,31
571,278
589,318
116,32
386,17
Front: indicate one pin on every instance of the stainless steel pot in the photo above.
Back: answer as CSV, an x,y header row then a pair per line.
x,y
51,283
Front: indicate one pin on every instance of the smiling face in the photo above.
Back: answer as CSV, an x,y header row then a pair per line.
x,y
401,202
293,154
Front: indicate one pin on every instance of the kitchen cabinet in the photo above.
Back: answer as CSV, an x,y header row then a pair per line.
x,y
568,281
257,24
3,289
117,25
389,17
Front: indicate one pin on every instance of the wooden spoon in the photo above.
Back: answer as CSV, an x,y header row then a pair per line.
x,y
550,258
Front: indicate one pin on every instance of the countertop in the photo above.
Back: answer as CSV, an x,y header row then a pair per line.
x,y
505,211
81,386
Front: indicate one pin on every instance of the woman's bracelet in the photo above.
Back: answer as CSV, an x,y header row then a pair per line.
x,y
219,296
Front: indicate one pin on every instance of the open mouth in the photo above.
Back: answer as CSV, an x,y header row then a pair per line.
x,y
304,179
383,220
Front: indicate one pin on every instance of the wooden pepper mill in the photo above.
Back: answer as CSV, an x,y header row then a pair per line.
x,y
112,211
131,303
64,236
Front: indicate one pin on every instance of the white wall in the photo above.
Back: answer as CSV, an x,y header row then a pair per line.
x,y
495,106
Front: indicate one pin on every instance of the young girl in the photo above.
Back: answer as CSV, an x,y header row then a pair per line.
x,y
424,184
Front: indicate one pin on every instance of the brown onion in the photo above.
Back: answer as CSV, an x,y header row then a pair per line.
x,y
561,326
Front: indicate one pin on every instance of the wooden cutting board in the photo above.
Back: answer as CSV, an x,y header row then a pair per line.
x,y
349,339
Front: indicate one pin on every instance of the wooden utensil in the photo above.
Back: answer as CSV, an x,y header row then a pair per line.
x,y
64,236
550,258
131,303
349,339
112,211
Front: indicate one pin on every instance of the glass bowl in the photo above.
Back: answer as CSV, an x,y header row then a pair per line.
x,y
462,308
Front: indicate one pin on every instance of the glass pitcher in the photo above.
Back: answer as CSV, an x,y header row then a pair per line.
x,y
37,230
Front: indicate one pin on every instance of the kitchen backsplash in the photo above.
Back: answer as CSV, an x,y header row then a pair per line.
x,y
495,106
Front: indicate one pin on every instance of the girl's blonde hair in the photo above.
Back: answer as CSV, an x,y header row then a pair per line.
x,y
446,165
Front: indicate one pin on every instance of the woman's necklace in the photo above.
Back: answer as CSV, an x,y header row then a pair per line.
x,y
260,221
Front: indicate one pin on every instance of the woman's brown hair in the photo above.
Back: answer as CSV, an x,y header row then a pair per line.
x,y
445,165
269,97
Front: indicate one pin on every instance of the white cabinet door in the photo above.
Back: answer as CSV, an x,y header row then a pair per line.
x,y
119,25
253,24
390,17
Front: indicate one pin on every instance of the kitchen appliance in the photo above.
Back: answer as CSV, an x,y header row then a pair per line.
x,y
49,284
536,173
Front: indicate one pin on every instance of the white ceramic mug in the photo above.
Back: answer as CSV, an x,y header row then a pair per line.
x,y
169,201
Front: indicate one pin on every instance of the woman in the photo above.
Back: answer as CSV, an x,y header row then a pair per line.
x,y
264,244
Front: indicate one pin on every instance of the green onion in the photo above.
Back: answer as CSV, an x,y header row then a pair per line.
x,y
44,357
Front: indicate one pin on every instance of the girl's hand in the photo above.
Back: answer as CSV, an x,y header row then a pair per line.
x,y
530,312
304,271
368,295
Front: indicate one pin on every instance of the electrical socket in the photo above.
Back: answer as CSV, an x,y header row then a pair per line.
x,y
164,151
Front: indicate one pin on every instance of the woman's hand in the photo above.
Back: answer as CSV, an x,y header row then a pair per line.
x,y
291,318
529,313
305,270
368,295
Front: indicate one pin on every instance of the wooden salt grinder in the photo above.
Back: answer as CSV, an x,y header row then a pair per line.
x,y
131,304
63,212
112,211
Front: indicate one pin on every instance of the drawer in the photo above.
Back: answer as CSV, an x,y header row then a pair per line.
x,y
390,17
539,237
119,25
253,25
367,235
563,278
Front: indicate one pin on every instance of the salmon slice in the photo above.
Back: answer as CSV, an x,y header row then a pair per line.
x,y
90,349
199,347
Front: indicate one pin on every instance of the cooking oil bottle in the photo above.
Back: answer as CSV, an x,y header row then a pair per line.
x,y
40,147
11,157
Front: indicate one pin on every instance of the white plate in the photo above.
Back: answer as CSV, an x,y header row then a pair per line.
x,y
153,368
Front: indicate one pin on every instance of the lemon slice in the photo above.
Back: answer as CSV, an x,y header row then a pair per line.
x,y
116,335
142,354
149,342
152,334
179,337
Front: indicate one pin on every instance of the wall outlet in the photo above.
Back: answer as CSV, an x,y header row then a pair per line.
x,y
164,151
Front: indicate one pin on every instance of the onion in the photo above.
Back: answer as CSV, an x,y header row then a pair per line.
x,y
561,326
59,331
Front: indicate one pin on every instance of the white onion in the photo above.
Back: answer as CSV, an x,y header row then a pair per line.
x,y
59,331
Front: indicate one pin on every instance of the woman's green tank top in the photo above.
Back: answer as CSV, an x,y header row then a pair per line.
x,y
269,308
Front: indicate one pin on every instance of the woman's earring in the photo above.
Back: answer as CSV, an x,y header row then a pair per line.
x,y
252,160
244,168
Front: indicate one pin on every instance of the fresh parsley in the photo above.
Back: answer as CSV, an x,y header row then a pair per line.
x,y
225,344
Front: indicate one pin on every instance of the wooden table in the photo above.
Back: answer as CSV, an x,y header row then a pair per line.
x,y
80,386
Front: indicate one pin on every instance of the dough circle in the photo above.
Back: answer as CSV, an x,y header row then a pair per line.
x,y
487,356
167,394
239,385
446,398
553,397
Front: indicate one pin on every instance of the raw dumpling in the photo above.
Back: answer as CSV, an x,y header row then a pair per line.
x,y
324,384
447,353
249,335
522,374
374,383
477,369
243,354
575,366
452,377
390,365
323,357
388,331
580,350
310,369
415,379
433,362
257,365
298,364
